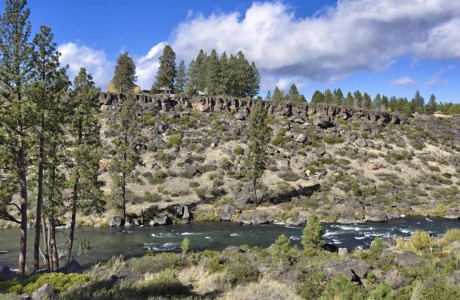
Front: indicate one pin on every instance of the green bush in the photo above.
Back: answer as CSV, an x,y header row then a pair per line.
x,y
194,184
441,291
151,198
241,270
238,150
59,281
312,284
164,284
215,265
158,178
174,140
342,288
280,138
333,140
289,176
282,251
382,292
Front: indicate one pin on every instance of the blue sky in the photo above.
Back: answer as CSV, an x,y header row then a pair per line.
x,y
390,47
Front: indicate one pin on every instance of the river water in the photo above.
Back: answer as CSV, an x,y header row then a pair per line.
x,y
135,241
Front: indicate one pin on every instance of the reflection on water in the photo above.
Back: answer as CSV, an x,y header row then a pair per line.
x,y
107,242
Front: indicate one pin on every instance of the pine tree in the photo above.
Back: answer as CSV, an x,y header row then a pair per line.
x,y
85,153
318,97
418,103
278,95
212,73
312,234
181,78
167,70
16,110
293,95
224,74
200,71
259,136
357,99
384,104
367,102
338,97
253,84
125,74
47,93
127,156
377,102
349,100
432,105
191,78
328,97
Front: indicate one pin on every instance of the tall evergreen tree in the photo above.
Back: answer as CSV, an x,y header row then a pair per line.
x,y
278,95
318,97
85,153
338,97
213,73
328,97
312,235
224,74
191,78
125,74
259,136
47,90
418,103
293,95
200,71
384,104
349,100
377,102
432,105
367,102
127,156
16,110
253,81
181,78
357,99
167,70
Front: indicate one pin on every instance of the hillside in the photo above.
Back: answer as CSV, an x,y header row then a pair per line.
x,y
346,165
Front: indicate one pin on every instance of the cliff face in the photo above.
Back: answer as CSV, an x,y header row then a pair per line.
x,y
242,107
344,164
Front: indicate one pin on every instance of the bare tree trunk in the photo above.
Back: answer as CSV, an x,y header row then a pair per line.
x,y
53,241
23,184
74,216
46,244
39,201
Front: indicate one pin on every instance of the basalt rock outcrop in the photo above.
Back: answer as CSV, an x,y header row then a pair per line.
x,y
323,113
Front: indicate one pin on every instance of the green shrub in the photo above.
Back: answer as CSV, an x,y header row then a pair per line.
x,y
312,284
164,284
280,138
441,291
158,178
240,270
151,198
163,156
194,184
382,292
185,246
333,140
174,140
215,265
342,288
59,281
238,150
289,176
154,262
282,251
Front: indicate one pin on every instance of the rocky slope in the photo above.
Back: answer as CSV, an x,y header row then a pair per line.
x,y
346,165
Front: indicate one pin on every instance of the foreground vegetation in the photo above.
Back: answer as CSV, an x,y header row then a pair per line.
x,y
420,267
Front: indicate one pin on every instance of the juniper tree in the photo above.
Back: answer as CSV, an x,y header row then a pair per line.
x,y
125,74
293,95
127,156
258,133
337,97
278,95
85,153
318,97
166,71
16,110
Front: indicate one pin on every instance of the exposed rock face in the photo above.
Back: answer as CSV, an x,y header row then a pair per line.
x,y
45,292
406,259
161,220
325,114
395,279
227,212
344,267
116,221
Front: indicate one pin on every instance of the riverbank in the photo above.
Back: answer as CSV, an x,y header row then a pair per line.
x,y
401,268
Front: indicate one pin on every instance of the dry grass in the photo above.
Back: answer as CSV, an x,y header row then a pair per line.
x,y
266,289
203,282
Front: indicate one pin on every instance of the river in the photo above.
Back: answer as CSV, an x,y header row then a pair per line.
x,y
135,241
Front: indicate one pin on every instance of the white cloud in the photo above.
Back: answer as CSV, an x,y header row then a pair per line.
x,y
147,66
95,62
405,81
351,36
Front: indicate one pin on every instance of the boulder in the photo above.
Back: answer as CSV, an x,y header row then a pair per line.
x,y
157,141
323,122
301,138
395,279
226,212
190,170
72,267
5,273
186,213
162,220
246,218
43,293
343,252
116,221
335,267
406,259
375,216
